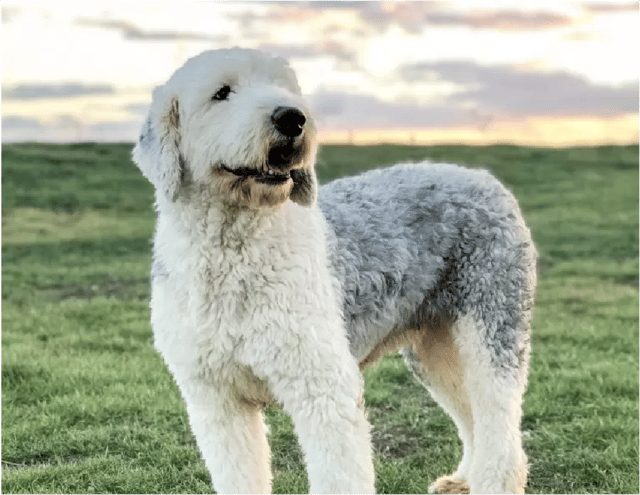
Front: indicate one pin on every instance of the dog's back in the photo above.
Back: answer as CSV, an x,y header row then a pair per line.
x,y
403,239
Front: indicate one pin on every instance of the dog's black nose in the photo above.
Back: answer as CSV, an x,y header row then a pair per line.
x,y
289,121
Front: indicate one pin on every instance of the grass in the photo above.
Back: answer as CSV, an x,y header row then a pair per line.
x,y
87,405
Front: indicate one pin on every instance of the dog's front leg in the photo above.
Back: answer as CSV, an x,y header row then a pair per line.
x,y
320,386
231,435
336,442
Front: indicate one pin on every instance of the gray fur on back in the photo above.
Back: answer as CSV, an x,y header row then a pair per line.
x,y
434,239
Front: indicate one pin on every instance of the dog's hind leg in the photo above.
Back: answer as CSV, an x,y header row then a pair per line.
x,y
484,399
495,378
434,360
231,435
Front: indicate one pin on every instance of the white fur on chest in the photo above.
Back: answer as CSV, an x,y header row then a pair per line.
x,y
230,283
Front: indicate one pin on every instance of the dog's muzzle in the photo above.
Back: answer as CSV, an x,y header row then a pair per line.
x,y
285,152
288,148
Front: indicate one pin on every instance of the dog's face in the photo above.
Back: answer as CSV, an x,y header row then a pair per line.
x,y
230,123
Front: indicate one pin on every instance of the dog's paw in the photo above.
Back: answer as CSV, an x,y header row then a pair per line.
x,y
448,484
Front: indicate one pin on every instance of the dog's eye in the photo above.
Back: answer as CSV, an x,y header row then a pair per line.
x,y
222,94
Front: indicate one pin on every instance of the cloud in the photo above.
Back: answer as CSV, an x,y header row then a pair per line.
x,y
9,13
140,110
246,18
289,51
332,4
16,128
415,16
62,90
377,15
412,17
501,20
17,123
125,131
67,128
331,48
506,89
344,111
610,8
66,121
132,32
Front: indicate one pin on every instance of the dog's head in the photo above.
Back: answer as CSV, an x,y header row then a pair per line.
x,y
230,123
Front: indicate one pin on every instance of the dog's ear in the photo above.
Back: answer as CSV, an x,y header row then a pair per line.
x,y
157,152
305,187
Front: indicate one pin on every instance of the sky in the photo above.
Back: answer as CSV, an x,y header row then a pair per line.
x,y
549,73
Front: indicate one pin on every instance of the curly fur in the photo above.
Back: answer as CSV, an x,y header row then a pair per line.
x,y
261,292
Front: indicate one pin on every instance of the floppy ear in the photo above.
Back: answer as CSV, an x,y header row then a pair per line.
x,y
157,152
305,187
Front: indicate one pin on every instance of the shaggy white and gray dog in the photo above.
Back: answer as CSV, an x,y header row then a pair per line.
x,y
260,291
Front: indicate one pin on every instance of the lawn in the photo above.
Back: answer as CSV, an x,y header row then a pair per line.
x,y
88,406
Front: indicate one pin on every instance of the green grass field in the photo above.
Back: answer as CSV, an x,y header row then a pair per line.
x,y
87,405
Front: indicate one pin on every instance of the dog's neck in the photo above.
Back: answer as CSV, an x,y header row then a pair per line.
x,y
231,226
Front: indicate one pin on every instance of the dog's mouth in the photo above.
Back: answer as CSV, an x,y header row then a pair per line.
x,y
269,177
283,159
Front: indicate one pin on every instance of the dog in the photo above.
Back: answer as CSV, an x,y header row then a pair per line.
x,y
265,287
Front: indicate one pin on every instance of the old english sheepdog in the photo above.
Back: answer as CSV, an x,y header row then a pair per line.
x,y
261,290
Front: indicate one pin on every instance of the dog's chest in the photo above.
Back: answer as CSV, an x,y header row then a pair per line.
x,y
235,279
231,282
269,283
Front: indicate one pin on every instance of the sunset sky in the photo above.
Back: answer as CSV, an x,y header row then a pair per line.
x,y
528,72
